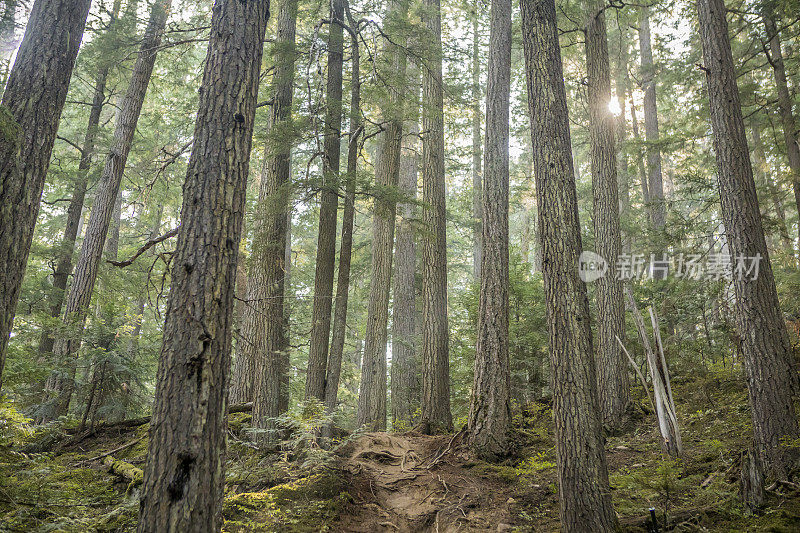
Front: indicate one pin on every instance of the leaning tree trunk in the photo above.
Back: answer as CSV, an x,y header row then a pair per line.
x,y
405,367
490,403
263,333
372,392
184,475
268,319
88,264
334,370
436,415
75,209
612,373
583,485
784,98
765,346
655,186
29,115
476,144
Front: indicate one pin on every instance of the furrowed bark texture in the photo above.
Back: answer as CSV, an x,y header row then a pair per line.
x,y
765,344
436,415
31,109
490,405
372,393
477,205
184,475
80,294
583,486
612,375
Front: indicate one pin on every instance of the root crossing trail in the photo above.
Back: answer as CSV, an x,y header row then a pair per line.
x,y
416,483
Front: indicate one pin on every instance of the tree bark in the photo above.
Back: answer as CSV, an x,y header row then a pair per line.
x,y
87,266
436,415
477,205
184,474
405,366
583,486
75,209
613,386
29,115
266,320
334,369
765,346
490,404
329,201
657,208
372,392
784,98
623,170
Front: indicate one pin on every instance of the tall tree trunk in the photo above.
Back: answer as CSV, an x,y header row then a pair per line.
x,y
490,404
436,414
655,186
29,115
613,387
476,144
333,372
329,201
784,98
372,392
623,171
583,486
266,319
763,170
405,367
184,475
87,266
75,209
640,158
765,346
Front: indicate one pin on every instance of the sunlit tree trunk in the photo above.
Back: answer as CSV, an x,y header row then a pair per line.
x,y
184,475
612,372
31,108
583,486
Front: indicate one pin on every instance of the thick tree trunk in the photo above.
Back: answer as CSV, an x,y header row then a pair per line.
x,y
436,414
184,475
784,98
583,486
477,206
612,375
329,202
490,404
88,264
765,346
655,186
333,372
372,392
29,115
265,324
405,366
75,209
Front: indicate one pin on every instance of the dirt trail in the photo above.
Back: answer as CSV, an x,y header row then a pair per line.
x,y
416,483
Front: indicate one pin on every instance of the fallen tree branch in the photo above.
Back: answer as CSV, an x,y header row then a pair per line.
x,y
115,450
120,468
136,422
149,244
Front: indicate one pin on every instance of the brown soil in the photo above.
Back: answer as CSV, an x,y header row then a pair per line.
x,y
417,483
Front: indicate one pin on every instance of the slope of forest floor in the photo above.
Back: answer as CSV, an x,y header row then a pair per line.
x,y
54,480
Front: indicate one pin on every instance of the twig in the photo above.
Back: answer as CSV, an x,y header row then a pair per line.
x,y
149,244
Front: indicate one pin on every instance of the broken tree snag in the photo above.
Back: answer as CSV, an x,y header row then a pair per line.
x,y
659,375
